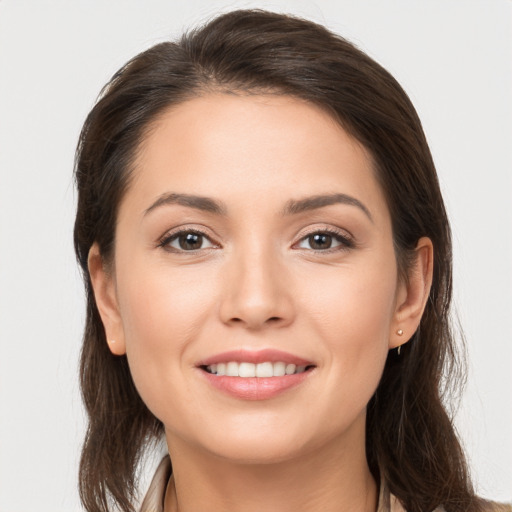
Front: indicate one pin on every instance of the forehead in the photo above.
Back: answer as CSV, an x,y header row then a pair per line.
x,y
251,147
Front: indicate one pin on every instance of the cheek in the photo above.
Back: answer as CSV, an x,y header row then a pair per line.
x,y
359,301
158,303
161,312
352,311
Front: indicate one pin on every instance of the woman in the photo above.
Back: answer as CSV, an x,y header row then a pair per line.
x,y
267,261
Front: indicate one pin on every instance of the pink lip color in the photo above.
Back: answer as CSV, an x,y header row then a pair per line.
x,y
255,356
255,388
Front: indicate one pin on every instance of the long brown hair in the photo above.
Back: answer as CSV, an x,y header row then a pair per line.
x,y
410,438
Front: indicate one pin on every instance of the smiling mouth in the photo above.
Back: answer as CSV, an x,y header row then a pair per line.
x,y
262,370
256,375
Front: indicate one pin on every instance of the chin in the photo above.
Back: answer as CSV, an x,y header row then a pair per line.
x,y
257,450
260,442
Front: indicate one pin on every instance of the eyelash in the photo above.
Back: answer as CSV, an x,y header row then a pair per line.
x,y
170,237
345,241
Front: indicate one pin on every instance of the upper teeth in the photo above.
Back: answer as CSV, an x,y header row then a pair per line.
x,y
268,369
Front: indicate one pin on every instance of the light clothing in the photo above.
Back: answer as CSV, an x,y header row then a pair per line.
x,y
154,500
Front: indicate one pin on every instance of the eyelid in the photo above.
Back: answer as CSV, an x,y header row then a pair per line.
x,y
346,239
174,233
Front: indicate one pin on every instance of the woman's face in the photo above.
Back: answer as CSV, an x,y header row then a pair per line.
x,y
254,231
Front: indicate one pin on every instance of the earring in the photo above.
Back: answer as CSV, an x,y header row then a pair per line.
x,y
400,333
112,342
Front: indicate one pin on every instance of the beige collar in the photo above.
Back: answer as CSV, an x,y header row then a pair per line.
x,y
154,500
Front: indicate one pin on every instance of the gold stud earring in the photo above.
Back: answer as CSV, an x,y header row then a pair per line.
x,y
399,333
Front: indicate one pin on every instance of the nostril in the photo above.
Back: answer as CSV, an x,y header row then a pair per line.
x,y
273,320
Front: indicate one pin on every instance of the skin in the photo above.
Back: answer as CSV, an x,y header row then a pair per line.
x,y
258,281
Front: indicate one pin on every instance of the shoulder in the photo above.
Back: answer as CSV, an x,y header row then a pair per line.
x,y
492,506
396,506
390,503
486,506
154,499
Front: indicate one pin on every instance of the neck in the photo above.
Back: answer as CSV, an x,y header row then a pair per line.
x,y
335,478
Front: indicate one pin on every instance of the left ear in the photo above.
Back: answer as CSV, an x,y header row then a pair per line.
x,y
412,294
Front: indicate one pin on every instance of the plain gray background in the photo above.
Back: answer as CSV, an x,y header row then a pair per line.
x,y
453,57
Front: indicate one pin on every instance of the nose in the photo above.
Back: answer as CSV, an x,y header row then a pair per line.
x,y
257,291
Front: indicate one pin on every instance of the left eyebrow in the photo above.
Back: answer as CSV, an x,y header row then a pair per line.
x,y
202,203
294,207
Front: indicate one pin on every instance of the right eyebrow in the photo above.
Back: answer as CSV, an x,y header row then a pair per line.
x,y
294,207
203,203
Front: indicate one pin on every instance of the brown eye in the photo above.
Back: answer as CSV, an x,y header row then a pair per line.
x,y
190,241
187,241
320,241
323,240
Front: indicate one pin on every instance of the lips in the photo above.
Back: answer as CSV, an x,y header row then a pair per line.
x,y
255,356
255,375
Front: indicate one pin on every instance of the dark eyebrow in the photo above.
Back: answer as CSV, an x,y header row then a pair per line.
x,y
312,203
203,203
